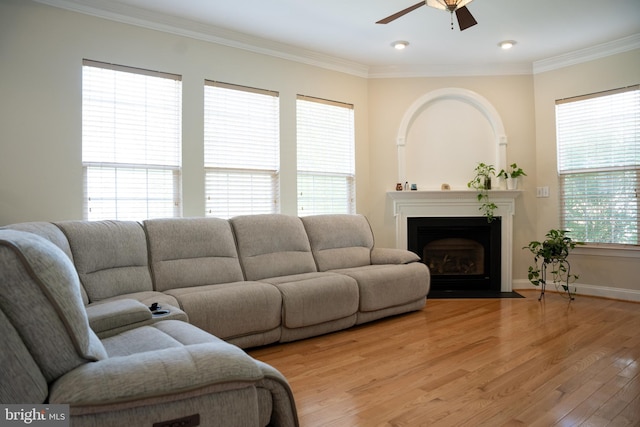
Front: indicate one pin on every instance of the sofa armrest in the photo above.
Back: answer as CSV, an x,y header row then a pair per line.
x,y
172,371
284,407
112,317
392,256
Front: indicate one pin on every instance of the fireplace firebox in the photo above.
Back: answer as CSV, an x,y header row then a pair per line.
x,y
462,253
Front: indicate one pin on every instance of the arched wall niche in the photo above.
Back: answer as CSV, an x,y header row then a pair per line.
x,y
496,154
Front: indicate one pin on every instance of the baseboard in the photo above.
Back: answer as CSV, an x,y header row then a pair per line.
x,y
591,290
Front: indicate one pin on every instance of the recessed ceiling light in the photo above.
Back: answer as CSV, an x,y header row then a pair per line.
x,y
400,44
507,44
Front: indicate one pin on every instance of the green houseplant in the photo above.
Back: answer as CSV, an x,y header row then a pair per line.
x,y
550,257
511,175
482,183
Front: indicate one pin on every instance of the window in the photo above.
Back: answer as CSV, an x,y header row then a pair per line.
x,y
326,172
599,165
241,150
131,142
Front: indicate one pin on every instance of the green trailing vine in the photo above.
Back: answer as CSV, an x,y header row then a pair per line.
x,y
482,184
550,257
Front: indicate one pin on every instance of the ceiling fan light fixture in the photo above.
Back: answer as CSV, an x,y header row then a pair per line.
x,y
506,44
450,5
463,16
400,44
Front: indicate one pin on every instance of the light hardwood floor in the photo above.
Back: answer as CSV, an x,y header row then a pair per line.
x,y
473,362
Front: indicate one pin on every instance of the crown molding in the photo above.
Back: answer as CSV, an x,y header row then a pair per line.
x,y
588,54
127,14
442,70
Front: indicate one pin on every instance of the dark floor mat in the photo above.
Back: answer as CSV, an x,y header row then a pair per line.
x,y
440,294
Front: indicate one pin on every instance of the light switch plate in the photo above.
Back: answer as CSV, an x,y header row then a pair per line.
x,y
542,191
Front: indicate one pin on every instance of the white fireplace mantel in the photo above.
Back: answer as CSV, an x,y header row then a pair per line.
x,y
457,203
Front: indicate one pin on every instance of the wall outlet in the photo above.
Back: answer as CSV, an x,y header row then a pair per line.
x,y
542,191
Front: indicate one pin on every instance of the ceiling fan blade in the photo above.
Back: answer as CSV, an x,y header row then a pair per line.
x,y
401,13
465,19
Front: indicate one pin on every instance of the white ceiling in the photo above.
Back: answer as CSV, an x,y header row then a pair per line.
x,y
343,33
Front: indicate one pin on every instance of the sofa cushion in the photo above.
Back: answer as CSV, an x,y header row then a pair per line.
x,y
52,233
272,245
313,298
40,296
47,230
187,252
21,380
155,337
167,357
231,310
110,257
339,241
387,285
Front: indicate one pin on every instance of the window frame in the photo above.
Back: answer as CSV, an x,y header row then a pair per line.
x,y
247,172
322,171
131,167
607,172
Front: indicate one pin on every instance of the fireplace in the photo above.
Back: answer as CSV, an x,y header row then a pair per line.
x,y
427,204
462,253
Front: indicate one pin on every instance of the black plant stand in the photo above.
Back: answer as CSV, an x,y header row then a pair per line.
x,y
563,266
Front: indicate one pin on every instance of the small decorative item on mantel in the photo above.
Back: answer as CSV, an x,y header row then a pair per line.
x,y
414,187
511,176
399,186
445,187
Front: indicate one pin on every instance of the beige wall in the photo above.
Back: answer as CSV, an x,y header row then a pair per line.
x,y
600,269
41,52
511,96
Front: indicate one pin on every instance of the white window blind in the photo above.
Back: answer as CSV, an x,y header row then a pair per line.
x,y
241,150
599,165
131,142
326,171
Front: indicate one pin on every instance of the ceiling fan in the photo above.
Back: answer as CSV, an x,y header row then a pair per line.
x,y
465,19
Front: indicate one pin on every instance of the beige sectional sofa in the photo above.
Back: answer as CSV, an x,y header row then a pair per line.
x,y
249,281
149,373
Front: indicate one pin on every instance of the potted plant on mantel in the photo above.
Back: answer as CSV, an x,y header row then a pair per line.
x,y
511,175
550,255
482,183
